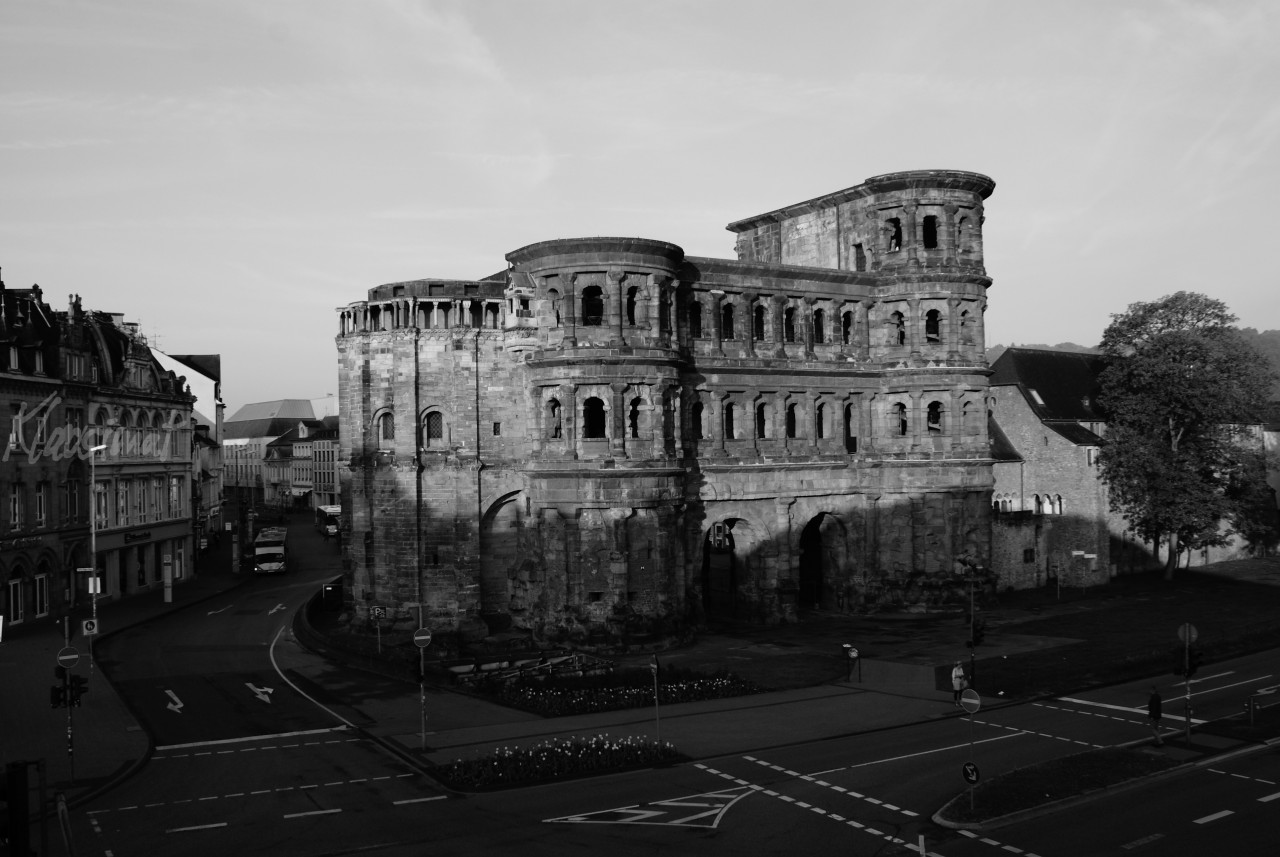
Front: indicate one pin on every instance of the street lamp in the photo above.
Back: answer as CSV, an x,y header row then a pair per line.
x,y
94,583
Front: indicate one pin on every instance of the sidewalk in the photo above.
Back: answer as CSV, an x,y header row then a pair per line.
x,y
108,742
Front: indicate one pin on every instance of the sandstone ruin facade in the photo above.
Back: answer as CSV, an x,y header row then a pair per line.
x,y
613,438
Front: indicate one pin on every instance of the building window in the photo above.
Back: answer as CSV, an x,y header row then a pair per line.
x,y
820,422
846,328
898,328
593,418
894,233
789,324
850,429
433,429
15,426
791,422
933,326
633,299
726,322
859,258
592,306
41,502
929,231
1029,555
695,320
757,324
898,424
386,428
762,420
933,421
729,420
695,418
15,602
633,417
15,506
555,426
819,323
42,595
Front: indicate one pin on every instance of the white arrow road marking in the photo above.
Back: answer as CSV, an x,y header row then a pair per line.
x,y
277,607
212,612
263,693
672,812
176,705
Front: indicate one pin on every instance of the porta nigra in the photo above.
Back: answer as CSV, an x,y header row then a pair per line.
x,y
611,439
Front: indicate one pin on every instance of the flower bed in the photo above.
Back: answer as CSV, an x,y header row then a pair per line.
x,y
558,758
558,697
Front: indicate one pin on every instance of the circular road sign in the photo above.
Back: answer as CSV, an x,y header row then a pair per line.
x,y
970,701
422,638
971,773
68,657
1187,633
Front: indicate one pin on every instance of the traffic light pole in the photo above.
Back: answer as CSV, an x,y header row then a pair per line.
x,y
1186,665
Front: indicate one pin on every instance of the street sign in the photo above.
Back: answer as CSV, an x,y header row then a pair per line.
x,y
971,773
422,638
970,701
68,657
1187,633
89,627
378,612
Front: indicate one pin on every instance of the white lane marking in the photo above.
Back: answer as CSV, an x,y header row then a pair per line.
x,y
312,812
1269,798
1142,711
417,800
963,746
249,738
1214,817
196,827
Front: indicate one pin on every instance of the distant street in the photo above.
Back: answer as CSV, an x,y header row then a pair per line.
x,y
245,764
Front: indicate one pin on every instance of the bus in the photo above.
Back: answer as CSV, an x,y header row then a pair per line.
x,y
328,519
271,551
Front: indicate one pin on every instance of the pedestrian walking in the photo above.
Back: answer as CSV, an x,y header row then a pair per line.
x,y
959,681
1154,713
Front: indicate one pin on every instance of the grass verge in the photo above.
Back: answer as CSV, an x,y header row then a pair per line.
x,y
1037,785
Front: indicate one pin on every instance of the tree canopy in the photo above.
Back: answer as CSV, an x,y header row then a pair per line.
x,y
1182,392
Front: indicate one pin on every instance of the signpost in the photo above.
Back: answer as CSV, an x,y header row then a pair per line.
x,y
422,639
1188,634
971,703
68,657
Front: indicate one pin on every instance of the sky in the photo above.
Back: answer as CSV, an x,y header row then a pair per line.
x,y
228,173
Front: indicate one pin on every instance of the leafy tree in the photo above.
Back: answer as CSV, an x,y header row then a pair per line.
x,y
1181,390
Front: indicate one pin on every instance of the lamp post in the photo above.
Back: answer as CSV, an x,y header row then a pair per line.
x,y
94,584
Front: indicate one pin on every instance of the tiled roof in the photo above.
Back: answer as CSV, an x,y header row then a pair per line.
x,y
1058,385
290,409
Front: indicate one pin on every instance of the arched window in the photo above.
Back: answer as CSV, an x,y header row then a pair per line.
x,y
846,328
791,421
592,306
433,429
386,428
555,419
726,321
695,419
1057,504
757,330
819,324
633,299
962,234
664,312
1039,505
933,419
695,320
898,329
819,421
762,420
553,298
898,420
633,417
789,324
894,234
850,429
966,328
593,418
929,231
729,420
933,326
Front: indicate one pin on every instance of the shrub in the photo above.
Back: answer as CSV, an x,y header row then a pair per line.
x,y
557,758
556,696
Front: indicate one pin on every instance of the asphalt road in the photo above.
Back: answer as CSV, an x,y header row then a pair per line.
x,y
244,764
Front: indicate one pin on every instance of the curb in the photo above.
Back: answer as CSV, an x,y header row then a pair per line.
x,y
1077,800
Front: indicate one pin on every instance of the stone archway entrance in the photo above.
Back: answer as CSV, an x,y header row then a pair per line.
x,y
499,553
821,563
719,573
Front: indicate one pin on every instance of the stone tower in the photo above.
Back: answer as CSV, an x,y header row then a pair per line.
x,y
611,439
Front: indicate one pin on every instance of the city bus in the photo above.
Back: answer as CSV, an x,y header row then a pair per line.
x,y
328,519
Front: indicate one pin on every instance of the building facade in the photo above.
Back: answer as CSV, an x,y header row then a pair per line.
x,y
611,437
98,455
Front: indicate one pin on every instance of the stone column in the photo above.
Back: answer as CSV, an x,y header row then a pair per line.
x,y
779,303
569,302
569,418
749,308
910,235
814,446
806,327
717,424
915,327
614,316
618,429
917,418
717,322
947,239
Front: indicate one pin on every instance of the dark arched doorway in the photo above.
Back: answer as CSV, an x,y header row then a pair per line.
x,y
719,573
821,554
499,553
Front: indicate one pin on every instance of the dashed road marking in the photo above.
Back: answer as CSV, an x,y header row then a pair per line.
x,y
196,827
986,840
311,812
848,792
1214,817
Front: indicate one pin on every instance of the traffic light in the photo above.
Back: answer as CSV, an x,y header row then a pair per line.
x,y
57,696
79,687
1194,658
